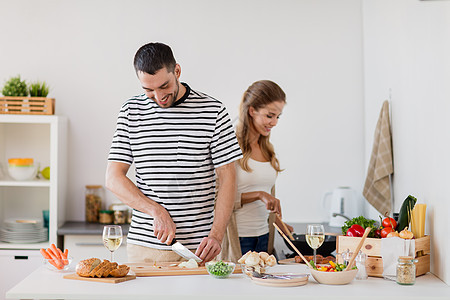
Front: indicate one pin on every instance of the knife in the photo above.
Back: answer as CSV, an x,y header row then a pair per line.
x,y
184,252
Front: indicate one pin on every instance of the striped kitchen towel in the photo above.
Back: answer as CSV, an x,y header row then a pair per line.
x,y
377,188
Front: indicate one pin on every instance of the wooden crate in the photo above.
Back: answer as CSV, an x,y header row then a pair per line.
x,y
374,262
27,105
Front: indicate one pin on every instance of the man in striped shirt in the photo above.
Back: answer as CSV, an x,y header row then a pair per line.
x,y
179,140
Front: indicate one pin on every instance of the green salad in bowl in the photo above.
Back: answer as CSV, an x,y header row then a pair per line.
x,y
220,269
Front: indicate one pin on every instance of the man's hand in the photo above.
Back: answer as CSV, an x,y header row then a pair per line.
x,y
164,227
208,249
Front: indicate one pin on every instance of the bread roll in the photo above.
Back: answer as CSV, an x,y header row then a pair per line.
x,y
85,267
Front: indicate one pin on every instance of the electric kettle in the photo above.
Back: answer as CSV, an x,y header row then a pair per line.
x,y
344,205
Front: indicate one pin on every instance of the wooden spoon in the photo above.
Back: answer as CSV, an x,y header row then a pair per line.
x,y
361,242
293,247
285,227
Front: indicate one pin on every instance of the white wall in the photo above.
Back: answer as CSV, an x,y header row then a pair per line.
x,y
313,49
406,52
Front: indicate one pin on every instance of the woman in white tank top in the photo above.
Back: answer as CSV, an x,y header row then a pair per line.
x,y
256,173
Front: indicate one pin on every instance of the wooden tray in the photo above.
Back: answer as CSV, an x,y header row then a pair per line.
x,y
168,269
107,279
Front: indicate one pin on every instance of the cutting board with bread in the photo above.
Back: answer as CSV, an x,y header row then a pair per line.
x,y
169,269
93,269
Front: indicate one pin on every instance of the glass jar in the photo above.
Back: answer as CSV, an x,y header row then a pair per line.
x,y
120,214
406,270
93,196
106,216
361,265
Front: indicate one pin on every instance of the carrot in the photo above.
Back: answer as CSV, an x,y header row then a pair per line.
x,y
63,259
45,254
66,253
55,250
55,259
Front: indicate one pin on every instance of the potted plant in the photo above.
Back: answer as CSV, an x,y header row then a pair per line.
x,y
16,98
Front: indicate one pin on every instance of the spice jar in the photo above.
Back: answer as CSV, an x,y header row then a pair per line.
x,y
106,216
120,214
93,202
406,270
361,265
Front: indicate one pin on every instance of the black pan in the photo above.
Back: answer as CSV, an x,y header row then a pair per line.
x,y
328,246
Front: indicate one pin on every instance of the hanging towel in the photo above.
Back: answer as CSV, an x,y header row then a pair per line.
x,y
377,189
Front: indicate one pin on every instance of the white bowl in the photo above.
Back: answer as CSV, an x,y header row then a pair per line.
x,y
22,172
343,277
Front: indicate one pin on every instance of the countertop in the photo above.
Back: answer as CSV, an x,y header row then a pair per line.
x,y
84,228
47,284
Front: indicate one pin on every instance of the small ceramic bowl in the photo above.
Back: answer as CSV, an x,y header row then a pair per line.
x,y
22,168
220,269
343,277
58,265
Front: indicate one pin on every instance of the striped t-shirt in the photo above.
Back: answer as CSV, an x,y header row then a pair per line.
x,y
175,151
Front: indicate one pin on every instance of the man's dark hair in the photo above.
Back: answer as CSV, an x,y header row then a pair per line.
x,y
152,57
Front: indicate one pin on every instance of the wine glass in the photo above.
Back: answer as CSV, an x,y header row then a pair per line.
x,y
112,238
315,237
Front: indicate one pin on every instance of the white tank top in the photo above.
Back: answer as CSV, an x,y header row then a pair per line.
x,y
252,217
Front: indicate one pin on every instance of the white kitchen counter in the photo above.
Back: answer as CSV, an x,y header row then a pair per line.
x,y
46,284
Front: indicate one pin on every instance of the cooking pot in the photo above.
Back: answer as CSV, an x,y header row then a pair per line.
x,y
328,246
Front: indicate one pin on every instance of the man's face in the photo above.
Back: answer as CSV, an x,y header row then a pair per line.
x,y
162,87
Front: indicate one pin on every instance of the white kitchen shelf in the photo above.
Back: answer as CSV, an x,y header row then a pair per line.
x,y
43,138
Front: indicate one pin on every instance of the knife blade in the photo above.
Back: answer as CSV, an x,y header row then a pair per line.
x,y
184,252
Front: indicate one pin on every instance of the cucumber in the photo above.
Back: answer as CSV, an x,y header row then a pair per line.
x,y
407,206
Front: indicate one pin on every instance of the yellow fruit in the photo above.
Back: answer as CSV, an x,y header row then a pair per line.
x,y
46,173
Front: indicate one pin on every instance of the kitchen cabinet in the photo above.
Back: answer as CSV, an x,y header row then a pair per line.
x,y
42,138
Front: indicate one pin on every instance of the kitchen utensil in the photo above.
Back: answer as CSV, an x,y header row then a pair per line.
x,y
328,246
184,252
344,205
334,277
292,245
95,279
355,252
278,276
285,227
169,269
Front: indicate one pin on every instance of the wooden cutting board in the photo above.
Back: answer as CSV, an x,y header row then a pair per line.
x,y
168,269
107,279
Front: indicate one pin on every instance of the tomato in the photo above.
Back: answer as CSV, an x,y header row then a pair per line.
x,y
389,222
352,232
385,231
359,229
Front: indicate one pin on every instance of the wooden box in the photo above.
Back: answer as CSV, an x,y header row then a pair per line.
x,y
374,262
27,105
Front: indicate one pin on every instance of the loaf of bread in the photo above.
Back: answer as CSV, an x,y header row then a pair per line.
x,y
94,267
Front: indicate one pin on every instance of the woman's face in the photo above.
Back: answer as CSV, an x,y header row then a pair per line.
x,y
265,118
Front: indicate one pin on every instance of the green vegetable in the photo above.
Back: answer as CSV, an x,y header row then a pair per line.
x,y
403,218
220,268
360,221
311,262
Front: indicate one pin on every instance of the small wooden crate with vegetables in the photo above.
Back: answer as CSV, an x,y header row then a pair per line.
x,y
410,214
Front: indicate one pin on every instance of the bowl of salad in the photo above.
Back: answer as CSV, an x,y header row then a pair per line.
x,y
333,274
220,269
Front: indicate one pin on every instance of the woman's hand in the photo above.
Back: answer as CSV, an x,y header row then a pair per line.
x,y
272,203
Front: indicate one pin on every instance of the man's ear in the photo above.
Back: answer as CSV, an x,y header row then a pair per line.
x,y
177,71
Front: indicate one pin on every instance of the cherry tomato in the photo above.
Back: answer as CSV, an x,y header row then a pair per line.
x,y
385,231
352,232
389,222
359,229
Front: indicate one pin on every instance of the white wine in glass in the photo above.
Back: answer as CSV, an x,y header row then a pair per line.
x,y
112,238
315,236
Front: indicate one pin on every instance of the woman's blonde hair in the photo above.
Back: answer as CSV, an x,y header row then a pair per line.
x,y
258,95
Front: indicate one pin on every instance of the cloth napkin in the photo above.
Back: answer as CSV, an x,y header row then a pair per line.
x,y
377,188
391,249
